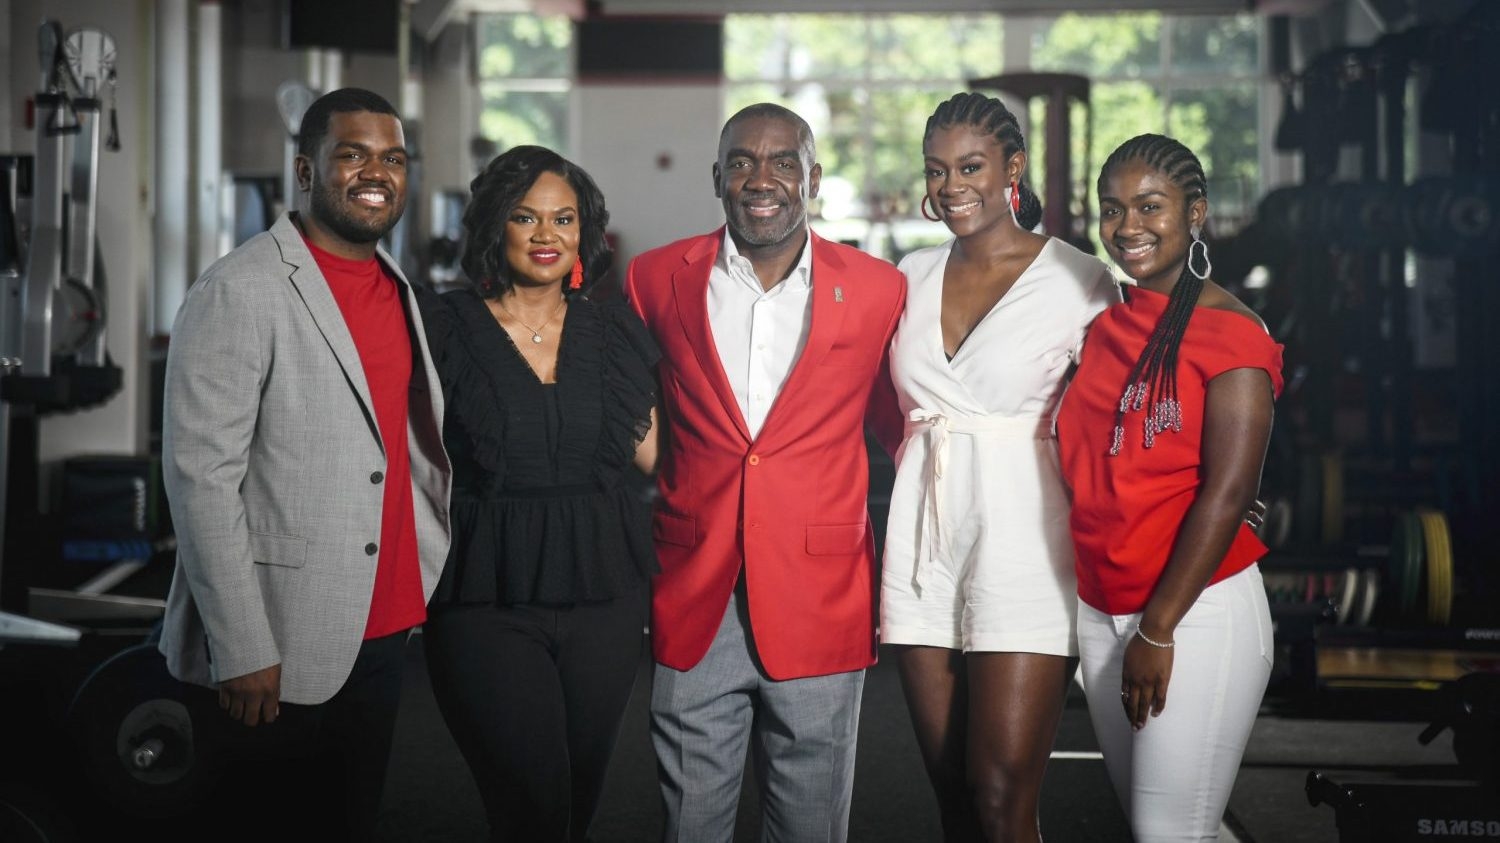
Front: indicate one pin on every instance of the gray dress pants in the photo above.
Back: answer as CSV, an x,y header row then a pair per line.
x,y
803,734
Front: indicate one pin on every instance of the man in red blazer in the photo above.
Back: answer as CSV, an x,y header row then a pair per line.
x,y
762,616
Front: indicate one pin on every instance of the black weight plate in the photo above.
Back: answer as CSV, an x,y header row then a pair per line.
x,y
136,739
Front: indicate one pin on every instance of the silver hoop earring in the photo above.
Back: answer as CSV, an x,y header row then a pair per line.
x,y
1208,266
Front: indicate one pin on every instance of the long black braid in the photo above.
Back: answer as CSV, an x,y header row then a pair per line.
x,y
1152,383
989,116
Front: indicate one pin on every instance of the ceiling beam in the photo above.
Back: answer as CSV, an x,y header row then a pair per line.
x,y
1014,7
429,17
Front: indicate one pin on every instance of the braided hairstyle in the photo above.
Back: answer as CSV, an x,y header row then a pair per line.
x,y
1153,380
987,115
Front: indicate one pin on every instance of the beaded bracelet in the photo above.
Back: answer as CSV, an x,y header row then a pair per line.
x,y
1157,644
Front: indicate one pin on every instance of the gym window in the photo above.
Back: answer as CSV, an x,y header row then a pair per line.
x,y
524,66
866,84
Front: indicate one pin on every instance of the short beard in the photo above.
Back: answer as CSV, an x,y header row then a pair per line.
x,y
758,232
327,210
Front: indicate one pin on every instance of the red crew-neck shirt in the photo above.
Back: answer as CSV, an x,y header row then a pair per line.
x,y
374,309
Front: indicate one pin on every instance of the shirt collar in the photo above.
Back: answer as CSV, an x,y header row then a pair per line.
x,y
799,276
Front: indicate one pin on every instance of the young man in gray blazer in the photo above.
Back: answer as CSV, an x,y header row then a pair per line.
x,y
303,459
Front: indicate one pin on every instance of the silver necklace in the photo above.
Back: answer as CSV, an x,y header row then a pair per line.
x,y
536,333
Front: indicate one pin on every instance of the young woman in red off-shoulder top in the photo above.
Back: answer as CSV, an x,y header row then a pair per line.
x,y
1162,435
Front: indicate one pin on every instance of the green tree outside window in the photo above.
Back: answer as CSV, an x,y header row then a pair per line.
x,y
866,84
524,63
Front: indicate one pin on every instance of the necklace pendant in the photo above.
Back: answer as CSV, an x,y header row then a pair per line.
x,y
536,338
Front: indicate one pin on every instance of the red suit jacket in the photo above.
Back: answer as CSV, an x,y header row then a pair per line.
x,y
789,505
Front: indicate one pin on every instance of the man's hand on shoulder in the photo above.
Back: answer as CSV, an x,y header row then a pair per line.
x,y
253,698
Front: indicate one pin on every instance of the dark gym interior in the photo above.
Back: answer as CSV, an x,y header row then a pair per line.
x,y
1372,260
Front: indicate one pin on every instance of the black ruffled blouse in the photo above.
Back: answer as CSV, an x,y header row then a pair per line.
x,y
541,512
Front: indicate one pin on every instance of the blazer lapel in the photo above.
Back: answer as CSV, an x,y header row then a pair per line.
x,y
829,292
690,292
312,287
424,376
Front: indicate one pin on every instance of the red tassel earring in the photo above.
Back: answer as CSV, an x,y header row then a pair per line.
x,y
577,280
1015,197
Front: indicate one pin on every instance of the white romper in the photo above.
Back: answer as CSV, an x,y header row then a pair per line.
x,y
977,554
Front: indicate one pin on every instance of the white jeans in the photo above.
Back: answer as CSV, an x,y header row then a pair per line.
x,y
1173,777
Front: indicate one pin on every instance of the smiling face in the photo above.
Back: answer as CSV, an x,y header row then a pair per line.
x,y
764,178
967,174
1145,221
357,185
542,232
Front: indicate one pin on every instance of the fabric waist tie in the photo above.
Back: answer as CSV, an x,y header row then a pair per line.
x,y
938,427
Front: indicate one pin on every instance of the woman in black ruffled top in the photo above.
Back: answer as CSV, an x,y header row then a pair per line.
x,y
535,631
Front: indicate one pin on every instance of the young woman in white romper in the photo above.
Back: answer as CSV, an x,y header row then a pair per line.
x,y
978,587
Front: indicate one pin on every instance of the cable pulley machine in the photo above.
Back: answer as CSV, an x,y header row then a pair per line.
x,y
53,306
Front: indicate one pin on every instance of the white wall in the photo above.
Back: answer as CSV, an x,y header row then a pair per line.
x,y
119,426
621,133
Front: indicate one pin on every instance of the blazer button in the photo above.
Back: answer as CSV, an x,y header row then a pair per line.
x,y
376,477
754,459
371,549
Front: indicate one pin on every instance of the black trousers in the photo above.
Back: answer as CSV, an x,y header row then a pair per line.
x,y
534,696
326,763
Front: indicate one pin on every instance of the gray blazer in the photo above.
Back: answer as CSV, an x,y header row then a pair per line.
x,y
270,454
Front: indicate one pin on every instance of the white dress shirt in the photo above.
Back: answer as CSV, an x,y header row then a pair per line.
x,y
759,333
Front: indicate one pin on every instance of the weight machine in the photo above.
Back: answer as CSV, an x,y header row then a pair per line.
x,y
1349,245
1376,611
54,304
131,736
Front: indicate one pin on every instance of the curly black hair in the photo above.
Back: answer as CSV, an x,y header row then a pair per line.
x,y
989,116
497,190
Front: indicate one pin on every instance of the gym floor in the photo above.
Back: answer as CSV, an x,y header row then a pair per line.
x,y
430,796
